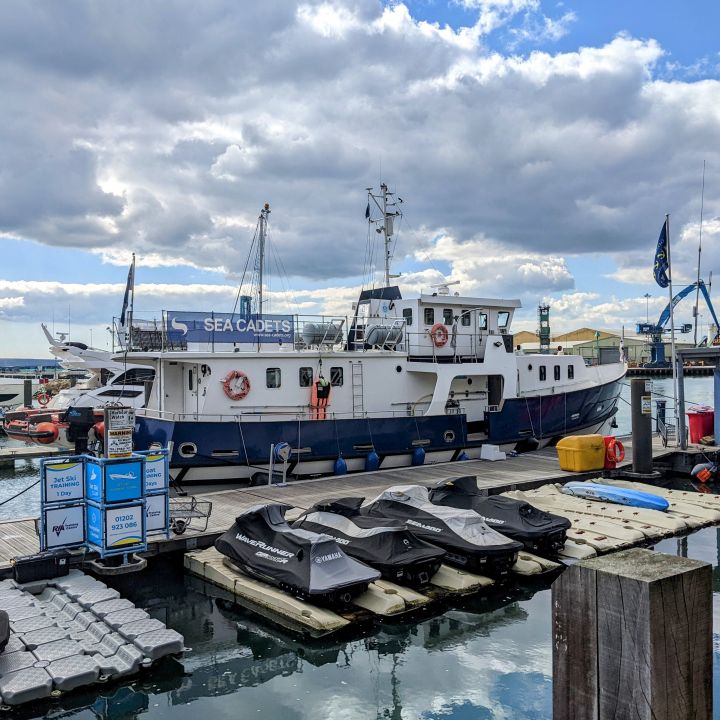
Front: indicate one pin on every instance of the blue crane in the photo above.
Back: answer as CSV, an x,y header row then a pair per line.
x,y
657,347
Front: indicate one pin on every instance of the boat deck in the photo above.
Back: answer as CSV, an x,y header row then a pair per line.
x,y
526,471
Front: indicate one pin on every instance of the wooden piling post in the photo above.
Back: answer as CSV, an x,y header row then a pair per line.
x,y
27,393
632,638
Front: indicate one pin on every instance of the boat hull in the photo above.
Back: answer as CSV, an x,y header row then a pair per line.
x,y
236,450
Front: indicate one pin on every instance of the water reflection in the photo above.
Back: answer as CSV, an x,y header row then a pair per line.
x,y
483,657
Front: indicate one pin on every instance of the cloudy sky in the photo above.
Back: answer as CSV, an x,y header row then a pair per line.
x,y
536,145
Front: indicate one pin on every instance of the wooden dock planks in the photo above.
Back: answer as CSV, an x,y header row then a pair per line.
x,y
525,471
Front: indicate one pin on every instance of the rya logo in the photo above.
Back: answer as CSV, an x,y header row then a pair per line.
x,y
62,527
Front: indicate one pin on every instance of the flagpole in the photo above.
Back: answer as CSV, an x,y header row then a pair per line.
x,y
132,303
672,324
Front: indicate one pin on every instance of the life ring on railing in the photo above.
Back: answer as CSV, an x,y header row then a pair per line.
x,y
439,335
236,385
43,398
614,452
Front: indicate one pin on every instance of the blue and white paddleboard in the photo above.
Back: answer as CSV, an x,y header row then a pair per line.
x,y
614,494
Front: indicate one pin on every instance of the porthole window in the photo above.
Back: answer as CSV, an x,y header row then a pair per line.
x,y
449,436
187,450
398,368
272,377
542,373
306,376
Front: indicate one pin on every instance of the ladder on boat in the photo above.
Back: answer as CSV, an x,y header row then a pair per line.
x,y
356,371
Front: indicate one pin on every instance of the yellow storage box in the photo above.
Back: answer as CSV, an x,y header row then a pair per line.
x,y
581,453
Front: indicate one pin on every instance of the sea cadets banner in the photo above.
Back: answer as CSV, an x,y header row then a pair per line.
x,y
661,259
228,327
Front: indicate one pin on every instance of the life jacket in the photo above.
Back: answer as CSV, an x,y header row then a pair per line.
x,y
320,398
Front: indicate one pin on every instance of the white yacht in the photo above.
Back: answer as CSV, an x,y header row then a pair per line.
x,y
400,381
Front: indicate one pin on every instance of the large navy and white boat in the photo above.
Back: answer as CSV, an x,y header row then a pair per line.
x,y
401,381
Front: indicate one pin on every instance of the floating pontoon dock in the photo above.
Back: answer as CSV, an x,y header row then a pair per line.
x,y
524,472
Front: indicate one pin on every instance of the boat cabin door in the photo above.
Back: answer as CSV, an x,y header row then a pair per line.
x,y
482,319
191,395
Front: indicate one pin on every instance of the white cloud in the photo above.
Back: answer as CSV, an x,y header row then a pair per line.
x,y
167,140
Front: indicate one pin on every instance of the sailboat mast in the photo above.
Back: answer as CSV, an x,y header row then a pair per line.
x,y
261,254
697,288
387,235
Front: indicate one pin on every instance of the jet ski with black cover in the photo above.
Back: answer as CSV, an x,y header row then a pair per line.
x,y
387,545
305,564
463,534
539,531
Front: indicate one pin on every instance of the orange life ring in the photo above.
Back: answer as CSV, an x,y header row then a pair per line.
x,y
439,335
43,398
615,451
236,385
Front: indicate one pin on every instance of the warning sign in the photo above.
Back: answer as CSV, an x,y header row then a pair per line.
x,y
646,404
119,424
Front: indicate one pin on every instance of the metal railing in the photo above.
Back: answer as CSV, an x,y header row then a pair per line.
x,y
327,332
265,415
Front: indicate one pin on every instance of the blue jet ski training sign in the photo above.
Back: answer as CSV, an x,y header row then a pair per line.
x,y
228,327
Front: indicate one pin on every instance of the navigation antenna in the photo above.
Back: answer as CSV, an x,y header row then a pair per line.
x,y
385,224
262,234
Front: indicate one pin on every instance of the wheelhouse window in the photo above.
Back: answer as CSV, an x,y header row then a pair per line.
x,y
448,316
135,376
571,372
429,315
482,321
465,318
272,377
556,372
503,319
542,373
120,393
306,376
407,314
336,376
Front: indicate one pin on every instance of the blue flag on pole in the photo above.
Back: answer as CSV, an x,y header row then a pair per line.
x,y
128,290
661,259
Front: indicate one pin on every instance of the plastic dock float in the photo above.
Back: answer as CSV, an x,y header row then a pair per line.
x,y
382,598
529,564
210,566
73,631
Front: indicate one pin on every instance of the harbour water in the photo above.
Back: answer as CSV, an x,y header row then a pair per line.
x,y
483,658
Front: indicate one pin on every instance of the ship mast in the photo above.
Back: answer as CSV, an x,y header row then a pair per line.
x,y
262,234
386,224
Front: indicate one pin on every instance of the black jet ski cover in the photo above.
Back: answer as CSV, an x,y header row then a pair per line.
x,y
306,564
469,542
539,531
387,545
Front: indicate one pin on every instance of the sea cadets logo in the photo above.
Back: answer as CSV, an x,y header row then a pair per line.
x,y
177,325
65,526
